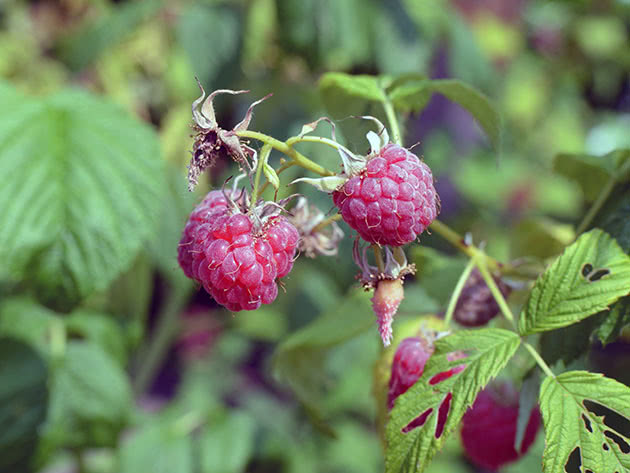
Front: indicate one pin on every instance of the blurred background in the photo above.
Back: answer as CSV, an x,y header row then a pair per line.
x,y
208,391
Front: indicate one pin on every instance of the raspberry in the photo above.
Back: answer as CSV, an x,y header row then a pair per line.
x,y
392,200
489,427
411,356
387,297
476,305
236,261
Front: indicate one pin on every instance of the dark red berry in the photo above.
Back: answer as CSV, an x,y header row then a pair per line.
x,y
489,427
476,306
392,200
235,261
411,356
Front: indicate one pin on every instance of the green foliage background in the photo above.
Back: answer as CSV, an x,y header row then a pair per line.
x,y
94,139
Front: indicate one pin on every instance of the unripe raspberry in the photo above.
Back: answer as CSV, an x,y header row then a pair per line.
x,y
489,427
236,261
476,305
392,200
387,297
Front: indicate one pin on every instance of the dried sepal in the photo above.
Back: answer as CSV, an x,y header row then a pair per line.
x,y
313,239
211,141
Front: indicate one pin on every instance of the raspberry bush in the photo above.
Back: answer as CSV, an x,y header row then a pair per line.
x,y
381,269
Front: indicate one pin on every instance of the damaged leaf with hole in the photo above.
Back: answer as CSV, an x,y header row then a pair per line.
x,y
598,410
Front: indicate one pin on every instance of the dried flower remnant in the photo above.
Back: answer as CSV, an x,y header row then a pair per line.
x,y
212,141
316,235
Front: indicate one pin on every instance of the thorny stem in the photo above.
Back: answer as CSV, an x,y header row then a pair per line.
x,y
543,366
324,223
297,157
378,255
458,290
262,159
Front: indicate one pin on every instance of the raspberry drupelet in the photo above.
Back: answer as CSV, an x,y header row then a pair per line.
x,y
237,258
392,200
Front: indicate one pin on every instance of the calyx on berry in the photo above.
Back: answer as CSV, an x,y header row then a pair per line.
x,y
353,164
212,141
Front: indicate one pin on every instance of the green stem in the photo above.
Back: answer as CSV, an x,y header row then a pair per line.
x,y
262,159
297,157
166,330
80,460
480,260
324,223
458,290
543,366
313,139
597,205
457,241
393,121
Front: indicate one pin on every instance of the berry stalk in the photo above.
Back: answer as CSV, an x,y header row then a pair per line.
x,y
458,290
297,157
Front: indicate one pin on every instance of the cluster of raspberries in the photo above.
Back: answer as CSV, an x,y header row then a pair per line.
x,y
392,200
237,258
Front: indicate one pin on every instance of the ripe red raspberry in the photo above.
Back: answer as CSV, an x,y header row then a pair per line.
x,y
489,427
236,261
476,306
392,200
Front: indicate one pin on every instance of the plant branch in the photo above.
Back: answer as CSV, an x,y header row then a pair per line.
x,y
393,121
297,157
452,303
480,260
262,159
324,223
166,330
539,360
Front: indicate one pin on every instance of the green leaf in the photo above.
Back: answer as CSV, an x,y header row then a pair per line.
x,y
587,423
86,46
488,350
210,37
227,445
591,274
590,172
359,86
23,402
26,320
91,398
80,189
158,448
101,329
477,104
413,96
